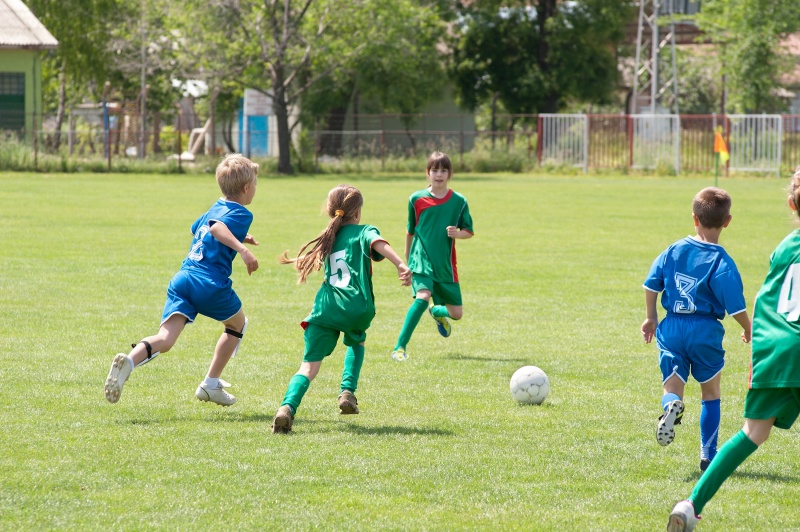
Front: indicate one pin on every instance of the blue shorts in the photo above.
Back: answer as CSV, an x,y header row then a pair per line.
x,y
690,346
191,294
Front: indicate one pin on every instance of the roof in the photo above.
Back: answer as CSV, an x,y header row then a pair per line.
x,y
19,28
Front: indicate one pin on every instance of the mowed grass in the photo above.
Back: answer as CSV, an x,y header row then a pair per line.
x,y
552,278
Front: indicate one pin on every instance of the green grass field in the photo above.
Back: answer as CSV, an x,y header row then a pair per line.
x,y
552,278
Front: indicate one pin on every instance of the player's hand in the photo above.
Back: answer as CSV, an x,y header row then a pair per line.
x,y
404,274
250,239
250,260
452,231
746,336
649,329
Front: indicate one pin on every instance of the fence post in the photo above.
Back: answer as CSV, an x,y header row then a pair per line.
x,y
35,144
539,140
630,140
71,133
383,143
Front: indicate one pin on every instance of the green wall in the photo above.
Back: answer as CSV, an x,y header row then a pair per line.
x,y
27,62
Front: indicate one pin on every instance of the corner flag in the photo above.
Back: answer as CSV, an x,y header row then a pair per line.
x,y
720,148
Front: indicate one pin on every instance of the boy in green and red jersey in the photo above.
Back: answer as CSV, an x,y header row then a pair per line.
x,y
437,216
773,399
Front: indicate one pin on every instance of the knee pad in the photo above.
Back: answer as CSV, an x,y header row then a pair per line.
x,y
150,353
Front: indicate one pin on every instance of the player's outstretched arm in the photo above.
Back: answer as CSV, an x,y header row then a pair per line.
x,y
455,232
403,273
221,232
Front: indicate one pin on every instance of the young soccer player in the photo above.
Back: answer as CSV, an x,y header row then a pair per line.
x,y
203,284
345,302
437,216
700,283
774,395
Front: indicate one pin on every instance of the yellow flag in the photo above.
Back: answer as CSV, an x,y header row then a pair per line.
x,y
719,147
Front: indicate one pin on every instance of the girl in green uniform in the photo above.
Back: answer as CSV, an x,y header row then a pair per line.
x,y
345,302
773,399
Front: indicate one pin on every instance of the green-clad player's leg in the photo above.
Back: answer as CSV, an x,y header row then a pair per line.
x,y
298,387
415,312
353,360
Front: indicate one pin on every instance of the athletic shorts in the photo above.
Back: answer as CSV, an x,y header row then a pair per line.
x,y
190,294
781,403
321,341
442,293
690,346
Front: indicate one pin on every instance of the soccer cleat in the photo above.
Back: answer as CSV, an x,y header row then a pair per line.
x,y
399,354
665,432
441,323
117,375
704,463
282,422
682,518
215,395
348,404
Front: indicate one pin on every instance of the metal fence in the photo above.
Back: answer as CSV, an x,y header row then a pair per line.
x,y
675,143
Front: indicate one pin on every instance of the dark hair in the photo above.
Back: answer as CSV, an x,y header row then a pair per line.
x,y
712,206
439,160
342,206
794,190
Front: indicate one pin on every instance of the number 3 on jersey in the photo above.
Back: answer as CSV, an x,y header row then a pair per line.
x,y
340,273
685,286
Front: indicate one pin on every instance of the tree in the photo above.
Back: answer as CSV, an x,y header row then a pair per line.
x,y
82,56
534,56
748,33
399,68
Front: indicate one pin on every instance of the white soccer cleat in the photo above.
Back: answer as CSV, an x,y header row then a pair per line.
x,y
117,375
399,355
682,518
214,395
665,432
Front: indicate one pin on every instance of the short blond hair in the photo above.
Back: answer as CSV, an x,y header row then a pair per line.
x,y
234,172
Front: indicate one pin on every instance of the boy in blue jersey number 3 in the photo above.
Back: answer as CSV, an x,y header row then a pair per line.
x,y
437,217
700,283
203,284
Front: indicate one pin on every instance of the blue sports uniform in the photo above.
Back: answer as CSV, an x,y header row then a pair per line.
x,y
203,284
700,283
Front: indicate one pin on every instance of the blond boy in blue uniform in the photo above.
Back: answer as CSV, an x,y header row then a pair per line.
x,y
203,284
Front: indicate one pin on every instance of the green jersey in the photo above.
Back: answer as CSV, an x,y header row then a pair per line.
x,y
432,252
776,320
345,301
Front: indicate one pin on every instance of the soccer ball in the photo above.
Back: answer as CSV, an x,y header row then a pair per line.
x,y
529,384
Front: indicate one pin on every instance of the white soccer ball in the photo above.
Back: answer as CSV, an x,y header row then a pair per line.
x,y
530,385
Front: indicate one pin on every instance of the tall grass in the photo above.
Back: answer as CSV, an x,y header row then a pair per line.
x,y
552,278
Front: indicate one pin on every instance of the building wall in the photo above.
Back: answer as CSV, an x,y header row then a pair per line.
x,y
29,63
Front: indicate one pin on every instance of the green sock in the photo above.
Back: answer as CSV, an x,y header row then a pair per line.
x,y
728,458
353,360
295,392
440,311
418,308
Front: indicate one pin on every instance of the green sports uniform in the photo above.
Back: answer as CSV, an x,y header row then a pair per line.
x,y
775,365
345,301
432,256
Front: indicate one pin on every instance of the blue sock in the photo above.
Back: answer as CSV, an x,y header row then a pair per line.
x,y
668,398
709,428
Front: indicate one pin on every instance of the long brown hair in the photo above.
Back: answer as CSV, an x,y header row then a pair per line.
x,y
342,206
794,190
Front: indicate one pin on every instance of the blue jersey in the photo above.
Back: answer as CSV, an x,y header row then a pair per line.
x,y
207,254
697,279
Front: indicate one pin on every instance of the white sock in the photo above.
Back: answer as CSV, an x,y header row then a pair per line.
x,y
211,383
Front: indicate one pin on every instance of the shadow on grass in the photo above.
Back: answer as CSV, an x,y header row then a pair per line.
x,y
459,356
394,429
694,477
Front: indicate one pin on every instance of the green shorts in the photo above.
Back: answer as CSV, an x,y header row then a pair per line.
x,y
321,341
781,403
442,293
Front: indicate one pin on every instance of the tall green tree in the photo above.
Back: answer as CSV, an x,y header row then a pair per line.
x,y
749,33
534,56
80,62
